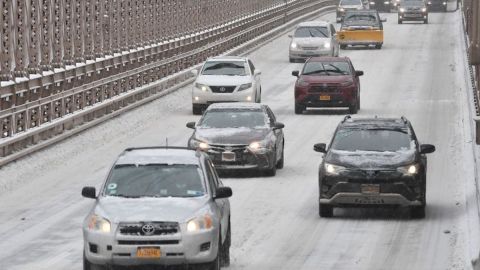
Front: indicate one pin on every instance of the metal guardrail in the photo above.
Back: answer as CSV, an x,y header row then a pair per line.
x,y
110,61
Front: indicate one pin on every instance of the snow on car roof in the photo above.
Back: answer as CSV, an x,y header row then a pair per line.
x,y
385,122
235,105
158,156
313,23
227,58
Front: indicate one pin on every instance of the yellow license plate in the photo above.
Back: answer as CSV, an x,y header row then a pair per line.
x,y
370,189
148,252
325,98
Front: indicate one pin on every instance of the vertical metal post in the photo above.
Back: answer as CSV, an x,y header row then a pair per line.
x,y
58,27
68,44
474,47
34,37
6,38
21,39
47,35
79,31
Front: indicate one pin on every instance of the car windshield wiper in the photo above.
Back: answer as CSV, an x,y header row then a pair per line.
x,y
316,72
123,196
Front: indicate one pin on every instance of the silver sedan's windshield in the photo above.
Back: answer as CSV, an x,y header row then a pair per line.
x,y
234,118
380,140
227,68
311,31
350,2
155,180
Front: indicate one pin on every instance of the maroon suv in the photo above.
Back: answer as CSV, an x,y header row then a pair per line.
x,y
327,82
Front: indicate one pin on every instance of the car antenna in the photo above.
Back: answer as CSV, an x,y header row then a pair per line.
x,y
166,142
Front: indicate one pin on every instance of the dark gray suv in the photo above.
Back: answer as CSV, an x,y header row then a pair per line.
x,y
373,162
240,136
159,206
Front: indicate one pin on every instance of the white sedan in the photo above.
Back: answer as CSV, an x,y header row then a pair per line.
x,y
225,79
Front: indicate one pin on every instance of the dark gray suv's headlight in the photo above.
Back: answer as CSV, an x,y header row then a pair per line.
x,y
411,169
331,169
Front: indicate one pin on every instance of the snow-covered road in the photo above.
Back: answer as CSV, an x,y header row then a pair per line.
x,y
419,73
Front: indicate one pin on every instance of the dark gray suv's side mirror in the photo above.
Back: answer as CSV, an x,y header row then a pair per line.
x,y
295,73
89,192
191,125
320,147
427,149
359,73
278,125
223,192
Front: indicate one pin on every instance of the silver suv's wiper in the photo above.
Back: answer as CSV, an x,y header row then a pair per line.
x,y
123,196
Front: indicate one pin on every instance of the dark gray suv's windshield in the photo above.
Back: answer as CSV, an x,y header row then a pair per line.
x,y
412,4
371,140
250,118
228,68
155,180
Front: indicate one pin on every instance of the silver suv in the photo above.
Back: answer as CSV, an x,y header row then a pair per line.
x,y
159,206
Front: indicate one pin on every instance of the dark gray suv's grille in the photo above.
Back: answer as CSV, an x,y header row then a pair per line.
x,y
223,89
159,228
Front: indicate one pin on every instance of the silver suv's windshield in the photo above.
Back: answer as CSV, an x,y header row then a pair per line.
x,y
250,118
412,4
326,68
228,68
380,140
311,31
155,180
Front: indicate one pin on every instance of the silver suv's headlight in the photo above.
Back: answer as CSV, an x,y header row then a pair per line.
x,y
331,169
194,143
245,86
203,222
293,45
411,169
326,45
202,87
98,223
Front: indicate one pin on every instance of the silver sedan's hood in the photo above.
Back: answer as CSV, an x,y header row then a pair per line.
x,y
311,42
351,7
240,135
150,209
222,80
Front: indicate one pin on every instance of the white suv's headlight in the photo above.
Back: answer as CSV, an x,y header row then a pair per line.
x,y
245,86
326,45
409,169
203,222
202,87
98,223
293,45
331,169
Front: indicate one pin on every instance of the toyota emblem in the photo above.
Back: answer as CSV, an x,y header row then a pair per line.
x,y
148,229
222,89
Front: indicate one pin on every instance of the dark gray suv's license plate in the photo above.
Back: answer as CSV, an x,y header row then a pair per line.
x,y
370,188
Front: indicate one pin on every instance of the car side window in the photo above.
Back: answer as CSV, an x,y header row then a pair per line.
x,y
271,116
212,176
252,67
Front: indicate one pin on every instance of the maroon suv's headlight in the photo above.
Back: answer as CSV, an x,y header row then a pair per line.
x,y
346,83
302,83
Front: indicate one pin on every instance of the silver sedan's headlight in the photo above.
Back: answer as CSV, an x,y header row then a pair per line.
x,y
326,45
98,223
245,86
293,45
402,10
202,87
409,169
203,222
259,147
331,169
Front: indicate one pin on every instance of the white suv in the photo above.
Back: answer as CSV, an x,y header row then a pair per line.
x,y
225,79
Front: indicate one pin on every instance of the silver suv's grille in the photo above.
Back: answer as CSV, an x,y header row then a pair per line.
x,y
149,228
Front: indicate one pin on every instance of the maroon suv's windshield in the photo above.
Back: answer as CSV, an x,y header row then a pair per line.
x,y
326,68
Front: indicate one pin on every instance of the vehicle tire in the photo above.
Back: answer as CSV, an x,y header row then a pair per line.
x,y
417,212
299,108
259,98
425,21
225,255
281,162
196,109
358,102
272,171
325,210
353,108
291,60
90,266
378,46
343,47
400,21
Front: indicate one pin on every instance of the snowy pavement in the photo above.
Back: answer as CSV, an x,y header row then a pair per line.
x,y
419,73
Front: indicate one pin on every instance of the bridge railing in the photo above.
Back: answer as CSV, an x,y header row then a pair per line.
x,y
64,63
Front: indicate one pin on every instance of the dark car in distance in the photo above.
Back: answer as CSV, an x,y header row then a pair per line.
x,y
327,82
412,10
240,136
373,162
